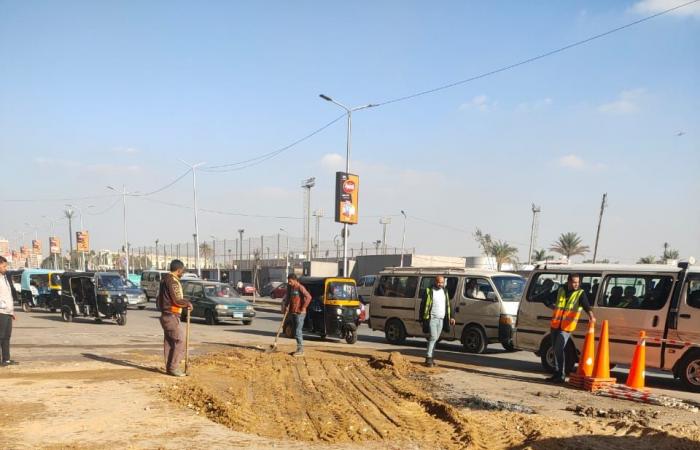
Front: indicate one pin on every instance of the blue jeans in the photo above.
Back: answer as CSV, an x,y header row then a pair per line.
x,y
298,327
435,330
559,341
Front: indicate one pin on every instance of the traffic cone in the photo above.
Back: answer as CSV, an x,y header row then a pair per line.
x,y
635,380
601,373
585,363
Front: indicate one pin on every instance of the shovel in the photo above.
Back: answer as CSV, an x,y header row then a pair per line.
x,y
187,344
273,347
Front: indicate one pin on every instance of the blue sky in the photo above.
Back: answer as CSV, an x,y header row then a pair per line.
x,y
95,94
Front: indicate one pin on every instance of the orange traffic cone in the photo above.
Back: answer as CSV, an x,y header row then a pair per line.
x,y
601,373
635,380
585,363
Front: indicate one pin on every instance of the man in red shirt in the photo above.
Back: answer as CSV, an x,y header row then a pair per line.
x,y
297,300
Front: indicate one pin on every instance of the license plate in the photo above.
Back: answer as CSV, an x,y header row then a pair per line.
x,y
237,315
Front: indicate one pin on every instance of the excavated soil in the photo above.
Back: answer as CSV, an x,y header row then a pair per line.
x,y
329,400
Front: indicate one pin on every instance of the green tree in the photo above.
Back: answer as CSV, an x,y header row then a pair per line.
x,y
503,252
539,255
569,244
647,260
669,253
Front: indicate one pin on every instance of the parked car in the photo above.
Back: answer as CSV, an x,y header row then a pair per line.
x,y
247,289
135,295
269,287
215,302
661,300
485,304
280,291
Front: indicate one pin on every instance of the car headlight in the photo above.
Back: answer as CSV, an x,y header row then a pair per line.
x,y
221,307
108,299
339,311
249,308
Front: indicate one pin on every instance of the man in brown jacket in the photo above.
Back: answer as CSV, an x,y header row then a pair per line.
x,y
297,300
170,302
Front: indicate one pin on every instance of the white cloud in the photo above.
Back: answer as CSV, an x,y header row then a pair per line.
x,y
575,162
656,6
535,105
333,162
126,150
480,102
628,102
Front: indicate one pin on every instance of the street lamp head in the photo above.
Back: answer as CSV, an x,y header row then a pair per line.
x,y
111,188
403,213
325,97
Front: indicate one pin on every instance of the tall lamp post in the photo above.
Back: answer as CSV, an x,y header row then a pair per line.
x,y
157,262
286,261
193,168
240,251
349,112
403,236
126,240
216,266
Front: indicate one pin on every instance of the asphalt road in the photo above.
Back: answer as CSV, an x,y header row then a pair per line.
x,y
40,337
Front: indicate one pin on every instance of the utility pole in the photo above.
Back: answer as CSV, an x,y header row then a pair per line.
x,y
384,221
603,205
308,184
157,262
286,262
318,214
533,231
69,213
126,240
403,236
240,251
193,168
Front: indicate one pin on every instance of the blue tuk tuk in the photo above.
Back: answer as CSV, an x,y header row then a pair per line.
x,y
41,288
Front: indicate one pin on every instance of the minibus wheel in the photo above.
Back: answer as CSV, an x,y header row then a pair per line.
x,y
395,332
689,370
474,339
547,355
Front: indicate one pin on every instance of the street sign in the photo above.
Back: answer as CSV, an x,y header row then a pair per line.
x,y
83,241
347,187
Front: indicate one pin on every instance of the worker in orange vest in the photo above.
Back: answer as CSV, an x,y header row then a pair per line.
x,y
567,304
171,302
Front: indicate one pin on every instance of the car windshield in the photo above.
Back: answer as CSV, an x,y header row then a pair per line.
x,y
219,291
130,284
341,291
55,279
110,282
510,288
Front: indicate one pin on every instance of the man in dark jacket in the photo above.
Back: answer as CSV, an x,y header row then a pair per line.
x,y
8,295
171,302
434,309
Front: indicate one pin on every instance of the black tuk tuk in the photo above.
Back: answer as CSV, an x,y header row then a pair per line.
x,y
100,295
334,310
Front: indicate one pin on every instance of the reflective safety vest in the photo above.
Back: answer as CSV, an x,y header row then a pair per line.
x,y
567,311
176,309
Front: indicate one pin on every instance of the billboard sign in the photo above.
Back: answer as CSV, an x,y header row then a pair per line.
x,y
54,245
347,188
36,246
82,239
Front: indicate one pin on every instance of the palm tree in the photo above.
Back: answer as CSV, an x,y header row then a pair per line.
x,y
646,260
539,255
569,244
669,253
503,252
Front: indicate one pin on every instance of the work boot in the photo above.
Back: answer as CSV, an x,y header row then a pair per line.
x,y
556,379
9,362
429,362
298,353
177,373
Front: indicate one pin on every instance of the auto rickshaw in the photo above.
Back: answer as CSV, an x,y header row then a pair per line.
x,y
334,310
41,288
99,295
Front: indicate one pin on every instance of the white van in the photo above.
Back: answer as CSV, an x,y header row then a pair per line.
x,y
484,304
150,282
662,300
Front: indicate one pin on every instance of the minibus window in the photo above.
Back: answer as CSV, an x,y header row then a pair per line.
x,y
477,288
693,294
545,286
648,292
450,285
390,286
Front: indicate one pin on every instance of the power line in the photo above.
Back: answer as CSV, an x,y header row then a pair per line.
x,y
214,211
535,58
164,187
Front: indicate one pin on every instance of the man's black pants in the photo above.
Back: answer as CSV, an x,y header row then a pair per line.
x,y
5,334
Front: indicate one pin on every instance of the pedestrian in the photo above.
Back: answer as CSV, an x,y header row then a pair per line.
x,y
8,295
171,302
434,308
567,303
297,300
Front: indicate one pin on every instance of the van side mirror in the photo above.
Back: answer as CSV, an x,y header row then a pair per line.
x,y
491,296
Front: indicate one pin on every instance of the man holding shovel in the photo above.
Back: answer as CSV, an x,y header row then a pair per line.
x,y
296,302
170,302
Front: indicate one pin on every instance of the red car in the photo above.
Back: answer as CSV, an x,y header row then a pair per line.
x,y
247,289
280,291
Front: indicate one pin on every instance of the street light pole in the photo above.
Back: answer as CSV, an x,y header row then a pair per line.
x,y
240,250
349,112
218,274
157,262
286,261
126,239
193,168
403,237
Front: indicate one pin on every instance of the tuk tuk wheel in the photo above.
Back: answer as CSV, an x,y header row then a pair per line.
x,y
121,319
66,315
351,336
26,307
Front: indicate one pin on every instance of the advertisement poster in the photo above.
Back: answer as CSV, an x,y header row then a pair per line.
x,y
83,241
24,252
54,245
36,246
347,188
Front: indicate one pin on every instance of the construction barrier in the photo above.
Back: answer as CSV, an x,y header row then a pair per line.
x,y
635,380
585,363
673,341
601,373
